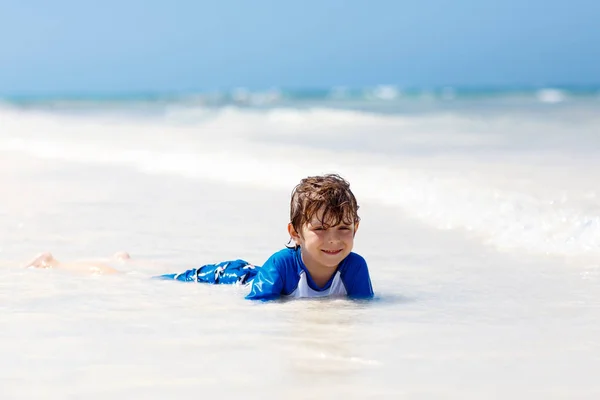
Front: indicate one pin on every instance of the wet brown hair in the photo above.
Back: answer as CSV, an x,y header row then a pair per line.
x,y
330,193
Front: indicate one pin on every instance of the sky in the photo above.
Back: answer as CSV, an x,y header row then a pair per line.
x,y
164,46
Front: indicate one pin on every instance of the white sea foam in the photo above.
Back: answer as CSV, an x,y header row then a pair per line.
x,y
550,96
451,171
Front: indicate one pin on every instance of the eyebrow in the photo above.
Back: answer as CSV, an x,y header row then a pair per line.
x,y
319,223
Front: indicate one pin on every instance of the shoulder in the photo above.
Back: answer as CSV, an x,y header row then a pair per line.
x,y
284,254
353,267
355,276
353,261
284,258
284,262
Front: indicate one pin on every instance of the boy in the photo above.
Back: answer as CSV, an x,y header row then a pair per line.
x,y
323,222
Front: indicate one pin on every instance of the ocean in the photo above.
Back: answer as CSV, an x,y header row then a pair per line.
x,y
480,224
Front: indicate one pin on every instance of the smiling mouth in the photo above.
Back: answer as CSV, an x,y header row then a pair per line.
x,y
331,252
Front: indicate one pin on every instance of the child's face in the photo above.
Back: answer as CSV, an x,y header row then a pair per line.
x,y
324,246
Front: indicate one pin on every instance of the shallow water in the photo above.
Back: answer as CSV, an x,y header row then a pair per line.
x,y
482,243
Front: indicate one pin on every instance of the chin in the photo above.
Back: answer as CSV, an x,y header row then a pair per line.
x,y
329,263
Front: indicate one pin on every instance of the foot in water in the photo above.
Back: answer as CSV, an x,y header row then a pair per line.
x,y
44,260
122,256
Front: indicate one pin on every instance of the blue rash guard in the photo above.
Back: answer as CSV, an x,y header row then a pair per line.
x,y
238,272
285,275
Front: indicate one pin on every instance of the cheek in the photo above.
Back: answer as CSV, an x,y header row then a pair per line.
x,y
312,237
347,234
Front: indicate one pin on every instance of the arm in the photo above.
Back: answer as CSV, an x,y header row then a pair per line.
x,y
268,283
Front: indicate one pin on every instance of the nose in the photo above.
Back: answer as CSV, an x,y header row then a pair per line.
x,y
332,236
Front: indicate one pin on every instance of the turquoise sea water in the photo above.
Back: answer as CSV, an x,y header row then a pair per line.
x,y
383,99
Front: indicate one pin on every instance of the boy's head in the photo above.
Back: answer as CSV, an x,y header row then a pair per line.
x,y
327,198
323,221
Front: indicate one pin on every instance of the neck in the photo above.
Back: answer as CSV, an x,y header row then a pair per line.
x,y
319,274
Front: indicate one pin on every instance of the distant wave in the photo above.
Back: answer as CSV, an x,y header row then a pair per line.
x,y
551,96
339,96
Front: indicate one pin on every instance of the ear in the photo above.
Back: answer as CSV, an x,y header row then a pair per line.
x,y
356,227
293,234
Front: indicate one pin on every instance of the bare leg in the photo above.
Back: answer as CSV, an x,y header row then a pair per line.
x,y
46,260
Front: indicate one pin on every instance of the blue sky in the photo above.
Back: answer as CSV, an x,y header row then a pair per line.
x,y
125,46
